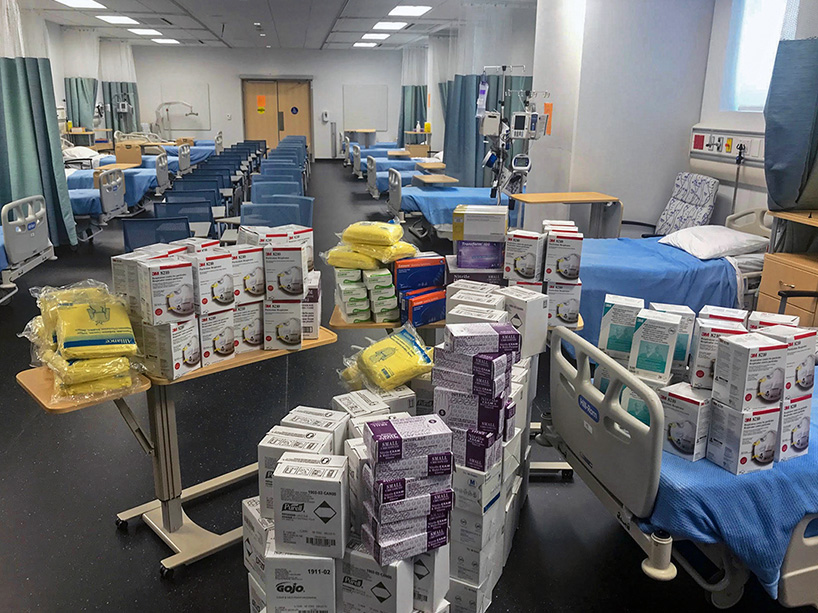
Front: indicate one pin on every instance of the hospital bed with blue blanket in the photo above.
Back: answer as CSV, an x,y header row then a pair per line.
x,y
377,173
93,207
24,242
359,156
346,148
764,522
138,182
197,154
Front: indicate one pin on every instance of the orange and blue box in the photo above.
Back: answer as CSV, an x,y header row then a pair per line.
x,y
426,308
418,272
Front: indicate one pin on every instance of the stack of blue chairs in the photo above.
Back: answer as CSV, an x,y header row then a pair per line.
x,y
277,192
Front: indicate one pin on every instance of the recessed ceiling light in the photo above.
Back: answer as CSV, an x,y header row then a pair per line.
x,y
119,20
406,10
256,23
390,25
145,31
82,4
375,36
166,41
262,34
365,45
269,46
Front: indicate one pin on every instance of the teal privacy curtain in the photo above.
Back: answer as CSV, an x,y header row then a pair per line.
x,y
412,111
444,87
463,147
80,98
30,152
114,92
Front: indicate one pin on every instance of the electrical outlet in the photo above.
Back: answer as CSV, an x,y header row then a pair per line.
x,y
719,144
747,142
229,117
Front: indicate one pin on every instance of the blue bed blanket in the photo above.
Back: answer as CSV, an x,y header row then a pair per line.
x,y
644,268
204,143
85,202
197,154
437,203
754,515
138,182
384,165
382,179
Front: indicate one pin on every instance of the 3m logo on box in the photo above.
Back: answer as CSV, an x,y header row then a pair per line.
x,y
292,507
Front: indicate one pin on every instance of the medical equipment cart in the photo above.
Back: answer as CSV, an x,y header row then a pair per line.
x,y
165,515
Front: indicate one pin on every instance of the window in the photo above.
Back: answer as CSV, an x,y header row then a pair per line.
x,y
755,29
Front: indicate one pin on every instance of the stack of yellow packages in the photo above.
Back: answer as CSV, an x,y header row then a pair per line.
x,y
84,336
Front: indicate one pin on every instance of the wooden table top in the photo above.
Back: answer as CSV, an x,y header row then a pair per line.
x,y
564,197
430,166
434,179
398,153
808,218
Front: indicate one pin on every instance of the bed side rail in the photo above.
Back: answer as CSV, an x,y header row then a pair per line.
x,y
25,229
395,192
622,453
219,140
162,177
372,177
752,221
799,572
184,158
356,160
112,192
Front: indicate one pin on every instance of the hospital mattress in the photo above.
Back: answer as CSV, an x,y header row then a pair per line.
x,y
85,202
138,182
436,204
148,161
754,514
384,165
384,145
382,179
644,268
204,143
197,154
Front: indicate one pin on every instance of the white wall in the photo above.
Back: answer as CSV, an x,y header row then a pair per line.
x,y
55,54
222,69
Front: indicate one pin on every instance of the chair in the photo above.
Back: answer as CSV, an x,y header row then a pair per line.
x,y
270,214
279,177
271,188
199,215
305,204
691,204
143,232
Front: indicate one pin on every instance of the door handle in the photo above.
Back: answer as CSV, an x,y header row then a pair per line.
x,y
281,121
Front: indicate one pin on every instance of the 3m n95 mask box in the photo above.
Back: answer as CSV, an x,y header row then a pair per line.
x,y
479,223
749,371
262,235
212,280
217,336
284,270
706,334
799,377
760,319
563,253
793,435
524,255
301,236
363,586
563,303
527,312
248,326
654,342
738,316
685,333
321,420
172,350
310,494
618,322
687,420
166,290
283,324
248,273
299,582
197,245
431,570
743,441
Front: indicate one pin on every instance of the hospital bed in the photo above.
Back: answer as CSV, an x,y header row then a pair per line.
x,y
358,155
138,182
93,208
764,522
377,173
24,242
346,148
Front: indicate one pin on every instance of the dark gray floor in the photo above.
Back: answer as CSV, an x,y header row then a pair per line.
x,y
63,478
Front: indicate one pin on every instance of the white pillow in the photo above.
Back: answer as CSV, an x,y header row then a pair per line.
x,y
709,242
75,153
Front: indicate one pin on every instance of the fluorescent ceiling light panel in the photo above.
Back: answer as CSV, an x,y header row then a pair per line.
x,y
119,20
165,41
365,45
262,34
372,36
407,10
390,25
145,31
82,4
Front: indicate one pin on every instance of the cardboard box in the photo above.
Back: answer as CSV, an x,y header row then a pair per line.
x,y
425,309
563,303
799,376
469,286
749,371
383,317
128,153
347,275
476,529
360,403
471,564
248,273
257,532
509,526
172,350
793,433
706,334
263,235
299,582
687,421
743,441
425,270
406,508
486,276
563,254
358,318
512,454
464,314
217,337
524,255
484,364
258,598
283,325
479,223
467,411
382,291
301,236
400,399
212,280
352,307
534,286
311,506
760,319
166,290
471,384
654,343
273,445
383,304
363,586
424,393
738,316
185,141
479,254
284,270
311,307
618,322
400,439
474,338
355,429
476,299
401,549
384,533
417,467
196,244
320,420
375,279
431,571
467,598
685,336
384,492
353,289
528,312
510,419
476,450
248,325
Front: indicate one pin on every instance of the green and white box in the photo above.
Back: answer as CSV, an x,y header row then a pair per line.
x,y
685,333
375,279
654,342
347,275
687,420
346,291
618,322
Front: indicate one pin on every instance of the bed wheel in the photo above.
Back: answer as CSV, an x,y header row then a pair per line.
x,y
567,475
726,598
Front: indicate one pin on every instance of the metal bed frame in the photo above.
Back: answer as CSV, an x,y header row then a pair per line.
x,y
27,245
112,201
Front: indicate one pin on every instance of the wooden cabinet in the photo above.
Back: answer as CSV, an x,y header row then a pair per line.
x,y
783,271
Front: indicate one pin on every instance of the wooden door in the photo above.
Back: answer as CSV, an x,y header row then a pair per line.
x,y
261,111
294,109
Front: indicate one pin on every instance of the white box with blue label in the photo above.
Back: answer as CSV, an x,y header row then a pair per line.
x,y
654,342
